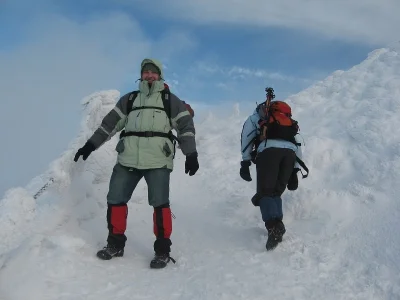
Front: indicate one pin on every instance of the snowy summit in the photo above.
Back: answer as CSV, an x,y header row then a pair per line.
x,y
341,241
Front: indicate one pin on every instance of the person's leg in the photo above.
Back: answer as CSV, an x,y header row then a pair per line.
x,y
276,227
123,182
287,161
285,170
158,181
267,165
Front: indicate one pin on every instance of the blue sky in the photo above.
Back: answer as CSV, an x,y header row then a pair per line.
x,y
54,53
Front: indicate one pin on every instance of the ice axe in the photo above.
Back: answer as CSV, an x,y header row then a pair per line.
x,y
270,95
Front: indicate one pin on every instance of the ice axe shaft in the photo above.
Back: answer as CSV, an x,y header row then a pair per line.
x,y
270,95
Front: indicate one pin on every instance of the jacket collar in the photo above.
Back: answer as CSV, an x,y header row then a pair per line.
x,y
156,87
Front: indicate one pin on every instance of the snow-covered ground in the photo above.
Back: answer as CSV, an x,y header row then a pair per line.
x,y
342,238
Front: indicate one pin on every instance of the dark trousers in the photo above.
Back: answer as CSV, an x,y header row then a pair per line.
x,y
122,184
274,167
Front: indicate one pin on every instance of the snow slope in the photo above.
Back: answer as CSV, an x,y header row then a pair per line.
x,y
341,241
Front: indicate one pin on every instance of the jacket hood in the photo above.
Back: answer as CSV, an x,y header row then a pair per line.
x,y
155,62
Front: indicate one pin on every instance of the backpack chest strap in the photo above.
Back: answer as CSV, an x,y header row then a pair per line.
x,y
147,107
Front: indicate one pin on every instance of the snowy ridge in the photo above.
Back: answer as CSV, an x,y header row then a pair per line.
x,y
341,240
18,208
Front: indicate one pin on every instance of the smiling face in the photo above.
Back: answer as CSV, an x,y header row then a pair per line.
x,y
150,73
150,77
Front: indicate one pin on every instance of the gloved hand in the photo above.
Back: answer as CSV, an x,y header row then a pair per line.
x,y
293,182
245,170
191,164
84,151
256,199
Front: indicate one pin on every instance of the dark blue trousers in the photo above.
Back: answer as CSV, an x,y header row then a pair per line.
x,y
271,208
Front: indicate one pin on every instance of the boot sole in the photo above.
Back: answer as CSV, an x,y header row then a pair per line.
x,y
157,266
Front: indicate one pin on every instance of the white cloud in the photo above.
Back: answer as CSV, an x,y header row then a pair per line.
x,y
70,60
367,21
245,72
239,73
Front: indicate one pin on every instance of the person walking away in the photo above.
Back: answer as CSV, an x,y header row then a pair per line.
x,y
269,139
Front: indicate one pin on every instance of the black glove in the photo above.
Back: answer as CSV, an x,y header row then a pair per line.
x,y
245,170
191,164
293,182
256,199
84,151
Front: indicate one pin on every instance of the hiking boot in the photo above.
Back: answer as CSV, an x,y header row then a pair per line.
x,y
109,252
160,261
272,242
275,235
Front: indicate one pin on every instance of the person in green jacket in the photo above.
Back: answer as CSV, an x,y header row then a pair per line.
x,y
146,149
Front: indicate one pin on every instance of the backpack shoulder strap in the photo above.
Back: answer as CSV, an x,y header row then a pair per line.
x,y
166,99
303,165
131,99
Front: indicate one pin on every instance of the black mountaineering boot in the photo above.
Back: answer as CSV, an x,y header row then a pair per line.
x,y
109,252
275,235
160,261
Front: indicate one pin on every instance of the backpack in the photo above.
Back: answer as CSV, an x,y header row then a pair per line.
x,y
278,124
189,108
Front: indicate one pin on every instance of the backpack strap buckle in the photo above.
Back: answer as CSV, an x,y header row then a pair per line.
x,y
148,134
